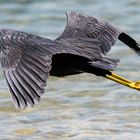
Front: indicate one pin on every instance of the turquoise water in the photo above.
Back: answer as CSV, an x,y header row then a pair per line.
x,y
81,107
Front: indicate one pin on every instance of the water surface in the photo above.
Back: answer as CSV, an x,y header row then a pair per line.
x,y
81,107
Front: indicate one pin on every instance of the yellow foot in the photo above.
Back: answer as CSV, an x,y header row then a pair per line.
x,y
124,81
136,85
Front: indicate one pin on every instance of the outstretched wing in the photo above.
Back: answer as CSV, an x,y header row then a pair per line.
x,y
83,26
26,62
79,25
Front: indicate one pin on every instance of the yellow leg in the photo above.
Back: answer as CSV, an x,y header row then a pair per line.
x,y
124,81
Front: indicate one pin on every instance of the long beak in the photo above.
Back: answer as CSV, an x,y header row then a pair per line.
x,y
123,81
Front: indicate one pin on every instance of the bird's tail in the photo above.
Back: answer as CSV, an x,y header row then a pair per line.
x,y
130,42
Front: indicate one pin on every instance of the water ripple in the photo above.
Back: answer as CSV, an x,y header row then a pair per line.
x,y
82,107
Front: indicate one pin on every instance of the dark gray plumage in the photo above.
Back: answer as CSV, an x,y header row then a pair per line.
x,y
83,26
28,59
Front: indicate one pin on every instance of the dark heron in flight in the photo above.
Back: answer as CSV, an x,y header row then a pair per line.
x,y
27,60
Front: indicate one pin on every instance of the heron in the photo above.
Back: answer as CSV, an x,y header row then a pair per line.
x,y
27,60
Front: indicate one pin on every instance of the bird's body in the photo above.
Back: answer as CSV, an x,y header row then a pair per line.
x,y
27,60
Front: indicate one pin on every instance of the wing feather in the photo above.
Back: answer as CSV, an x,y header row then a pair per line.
x,y
84,26
26,89
26,62
27,82
20,99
